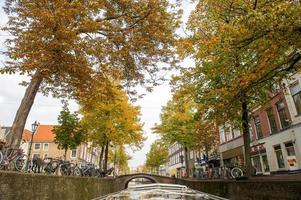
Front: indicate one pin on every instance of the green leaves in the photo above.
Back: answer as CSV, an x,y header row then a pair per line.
x,y
69,133
157,155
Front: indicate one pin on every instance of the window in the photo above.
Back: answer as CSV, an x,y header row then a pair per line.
x,y
37,146
257,163
296,94
290,149
236,133
272,121
258,127
279,156
73,153
282,115
45,146
222,135
229,134
265,163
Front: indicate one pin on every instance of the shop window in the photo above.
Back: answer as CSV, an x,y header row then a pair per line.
x,y
258,127
279,156
265,163
272,121
282,115
290,149
257,163
296,94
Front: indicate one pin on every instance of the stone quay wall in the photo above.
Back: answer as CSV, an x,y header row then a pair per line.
x,y
17,186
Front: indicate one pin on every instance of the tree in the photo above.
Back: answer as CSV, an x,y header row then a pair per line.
x,y
112,121
239,56
67,46
178,124
157,155
120,157
69,133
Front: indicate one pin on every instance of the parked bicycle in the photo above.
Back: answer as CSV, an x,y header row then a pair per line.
x,y
12,159
52,165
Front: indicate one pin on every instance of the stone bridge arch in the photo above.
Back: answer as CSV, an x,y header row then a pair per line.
x,y
148,177
121,182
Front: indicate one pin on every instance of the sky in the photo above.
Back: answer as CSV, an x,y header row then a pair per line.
x,y
46,109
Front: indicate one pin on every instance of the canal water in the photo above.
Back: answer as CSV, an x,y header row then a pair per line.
x,y
144,189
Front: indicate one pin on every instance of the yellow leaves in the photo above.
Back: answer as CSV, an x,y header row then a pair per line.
x,y
115,119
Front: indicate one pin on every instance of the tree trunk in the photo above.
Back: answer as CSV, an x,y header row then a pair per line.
x,y
246,134
101,156
15,137
105,163
186,161
65,154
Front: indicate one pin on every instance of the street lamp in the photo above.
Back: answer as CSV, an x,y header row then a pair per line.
x,y
182,162
34,127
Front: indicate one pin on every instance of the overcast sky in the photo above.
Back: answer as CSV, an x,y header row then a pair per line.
x,y
46,109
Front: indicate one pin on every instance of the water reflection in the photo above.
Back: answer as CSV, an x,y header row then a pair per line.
x,y
158,191
139,181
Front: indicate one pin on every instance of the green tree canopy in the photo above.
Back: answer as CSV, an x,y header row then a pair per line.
x,y
69,133
157,155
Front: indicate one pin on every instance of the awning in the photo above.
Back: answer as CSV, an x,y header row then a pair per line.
x,y
232,153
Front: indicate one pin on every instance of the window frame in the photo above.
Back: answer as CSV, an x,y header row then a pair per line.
x,y
278,160
45,144
292,146
269,111
281,110
35,146
257,124
72,150
294,94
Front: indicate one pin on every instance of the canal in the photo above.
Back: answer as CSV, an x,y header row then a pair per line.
x,y
142,188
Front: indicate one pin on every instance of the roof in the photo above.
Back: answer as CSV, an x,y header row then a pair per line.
x,y
26,135
44,133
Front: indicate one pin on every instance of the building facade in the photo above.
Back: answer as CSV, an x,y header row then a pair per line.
x,y
43,146
176,161
275,131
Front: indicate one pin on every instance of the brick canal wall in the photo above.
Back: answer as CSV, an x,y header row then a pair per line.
x,y
16,186
249,189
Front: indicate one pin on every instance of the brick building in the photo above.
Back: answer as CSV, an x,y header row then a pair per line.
x,y
275,130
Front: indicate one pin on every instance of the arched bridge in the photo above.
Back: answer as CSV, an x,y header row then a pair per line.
x,y
121,182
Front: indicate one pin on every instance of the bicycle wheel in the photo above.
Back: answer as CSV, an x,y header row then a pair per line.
x,y
65,169
236,172
77,171
20,162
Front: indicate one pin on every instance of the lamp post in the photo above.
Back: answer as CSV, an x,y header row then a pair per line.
x,y
34,127
182,162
